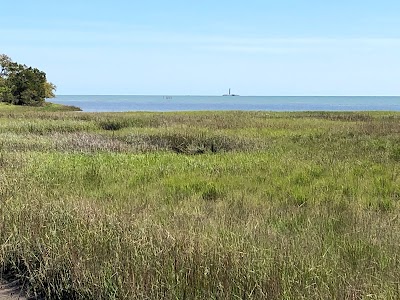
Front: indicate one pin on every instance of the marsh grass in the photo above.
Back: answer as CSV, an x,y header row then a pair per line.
x,y
272,206
46,106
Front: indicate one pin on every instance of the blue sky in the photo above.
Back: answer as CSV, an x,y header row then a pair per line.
x,y
292,47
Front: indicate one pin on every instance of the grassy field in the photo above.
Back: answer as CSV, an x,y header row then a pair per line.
x,y
201,205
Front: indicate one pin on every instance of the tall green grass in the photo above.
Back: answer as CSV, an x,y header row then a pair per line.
x,y
274,206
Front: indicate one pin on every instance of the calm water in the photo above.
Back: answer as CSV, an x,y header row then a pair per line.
x,y
268,103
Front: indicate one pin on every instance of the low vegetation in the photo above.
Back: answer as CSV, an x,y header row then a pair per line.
x,y
201,205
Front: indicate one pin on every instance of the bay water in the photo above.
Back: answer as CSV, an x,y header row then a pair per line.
x,y
160,103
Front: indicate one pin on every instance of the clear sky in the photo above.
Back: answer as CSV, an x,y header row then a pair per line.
x,y
185,47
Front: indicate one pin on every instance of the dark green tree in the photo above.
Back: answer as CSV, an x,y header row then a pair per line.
x,y
23,85
5,91
27,86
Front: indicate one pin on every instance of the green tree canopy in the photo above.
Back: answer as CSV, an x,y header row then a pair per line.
x,y
23,85
4,63
49,89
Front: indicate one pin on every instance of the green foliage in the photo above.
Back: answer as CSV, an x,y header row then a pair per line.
x,y
22,85
5,62
49,89
27,86
5,91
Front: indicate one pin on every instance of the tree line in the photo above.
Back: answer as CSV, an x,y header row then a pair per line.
x,y
23,85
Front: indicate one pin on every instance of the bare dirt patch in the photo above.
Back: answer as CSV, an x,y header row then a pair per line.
x,y
11,290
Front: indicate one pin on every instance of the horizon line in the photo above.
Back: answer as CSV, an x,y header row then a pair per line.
x,y
236,95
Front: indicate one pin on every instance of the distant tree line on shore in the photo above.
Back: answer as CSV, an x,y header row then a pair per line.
x,y
23,85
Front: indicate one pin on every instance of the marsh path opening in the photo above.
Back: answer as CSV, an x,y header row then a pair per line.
x,y
11,290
